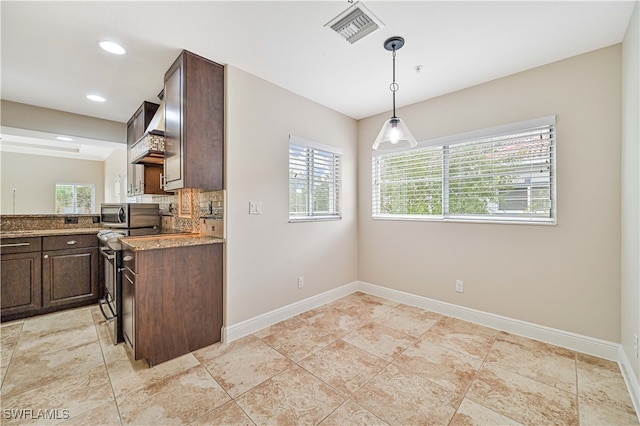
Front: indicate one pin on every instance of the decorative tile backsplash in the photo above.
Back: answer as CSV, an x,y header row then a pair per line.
x,y
186,209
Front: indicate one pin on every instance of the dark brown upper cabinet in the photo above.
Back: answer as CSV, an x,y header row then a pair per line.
x,y
135,130
194,124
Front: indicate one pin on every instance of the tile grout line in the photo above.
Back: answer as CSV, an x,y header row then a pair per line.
x,y
13,351
106,367
475,377
575,363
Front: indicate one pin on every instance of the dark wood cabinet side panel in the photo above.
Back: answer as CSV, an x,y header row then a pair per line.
x,y
203,125
178,301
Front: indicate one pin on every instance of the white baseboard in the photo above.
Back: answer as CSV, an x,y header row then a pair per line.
x,y
252,325
577,342
566,339
585,344
630,379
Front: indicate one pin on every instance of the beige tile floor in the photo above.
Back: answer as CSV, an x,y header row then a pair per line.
x,y
359,360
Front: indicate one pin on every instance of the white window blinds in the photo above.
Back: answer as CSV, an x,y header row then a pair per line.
x,y
499,174
314,180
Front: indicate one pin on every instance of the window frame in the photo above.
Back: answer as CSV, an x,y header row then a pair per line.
x,y
445,143
75,196
335,190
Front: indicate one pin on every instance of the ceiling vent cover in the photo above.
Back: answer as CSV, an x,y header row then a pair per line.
x,y
355,23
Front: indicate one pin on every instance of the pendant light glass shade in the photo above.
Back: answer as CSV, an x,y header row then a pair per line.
x,y
394,135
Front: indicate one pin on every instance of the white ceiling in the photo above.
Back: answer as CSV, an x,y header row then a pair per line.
x,y
50,54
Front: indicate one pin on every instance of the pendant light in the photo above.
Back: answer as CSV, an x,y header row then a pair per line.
x,y
395,134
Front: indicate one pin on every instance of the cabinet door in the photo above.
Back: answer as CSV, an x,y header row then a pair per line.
x,y
173,127
135,130
152,180
128,309
194,123
133,170
70,276
20,280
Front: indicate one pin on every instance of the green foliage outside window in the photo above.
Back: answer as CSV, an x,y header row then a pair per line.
x,y
505,176
75,198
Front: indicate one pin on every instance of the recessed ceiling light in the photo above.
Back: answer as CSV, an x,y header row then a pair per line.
x,y
96,98
64,138
112,47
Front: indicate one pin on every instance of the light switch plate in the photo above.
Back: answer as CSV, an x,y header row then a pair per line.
x,y
255,207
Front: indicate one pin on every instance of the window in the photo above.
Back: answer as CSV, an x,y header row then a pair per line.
x,y
75,198
503,174
314,180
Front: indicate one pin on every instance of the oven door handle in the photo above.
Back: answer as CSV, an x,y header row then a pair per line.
x,y
106,317
104,251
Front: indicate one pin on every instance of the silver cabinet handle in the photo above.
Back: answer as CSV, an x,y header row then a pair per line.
x,y
15,245
127,258
46,256
105,252
72,243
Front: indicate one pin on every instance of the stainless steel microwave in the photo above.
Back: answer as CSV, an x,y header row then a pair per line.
x,y
130,215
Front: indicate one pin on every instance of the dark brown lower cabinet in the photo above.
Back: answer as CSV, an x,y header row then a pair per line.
x,y
20,277
46,274
173,302
70,276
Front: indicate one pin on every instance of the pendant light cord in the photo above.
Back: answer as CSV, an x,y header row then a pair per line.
x,y
394,87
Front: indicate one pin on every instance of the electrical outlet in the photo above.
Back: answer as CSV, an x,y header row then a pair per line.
x,y
635,345
300,282
460,286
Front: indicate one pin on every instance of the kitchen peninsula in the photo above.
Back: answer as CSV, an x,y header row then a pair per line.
x,y
171,295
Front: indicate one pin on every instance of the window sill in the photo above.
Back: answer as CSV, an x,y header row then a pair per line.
x,y
504,221
314,219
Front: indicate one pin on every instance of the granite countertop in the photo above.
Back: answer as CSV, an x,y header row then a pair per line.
x,y
49,232
167,241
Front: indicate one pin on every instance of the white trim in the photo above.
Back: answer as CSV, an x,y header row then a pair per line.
x,y
549,120
313,144
630,379
577,342
566,339
252,325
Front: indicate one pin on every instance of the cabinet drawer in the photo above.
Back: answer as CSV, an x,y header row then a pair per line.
x,y
64,242
129,260
20,245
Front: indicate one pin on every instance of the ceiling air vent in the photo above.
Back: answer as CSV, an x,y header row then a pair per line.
x,y
355,22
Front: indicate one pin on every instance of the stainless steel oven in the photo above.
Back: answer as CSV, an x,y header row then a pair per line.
x,y
122,220
111,303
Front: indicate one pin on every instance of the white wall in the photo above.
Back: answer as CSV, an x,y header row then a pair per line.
x,y
115,170
631,188
265,254
565,276
35,178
